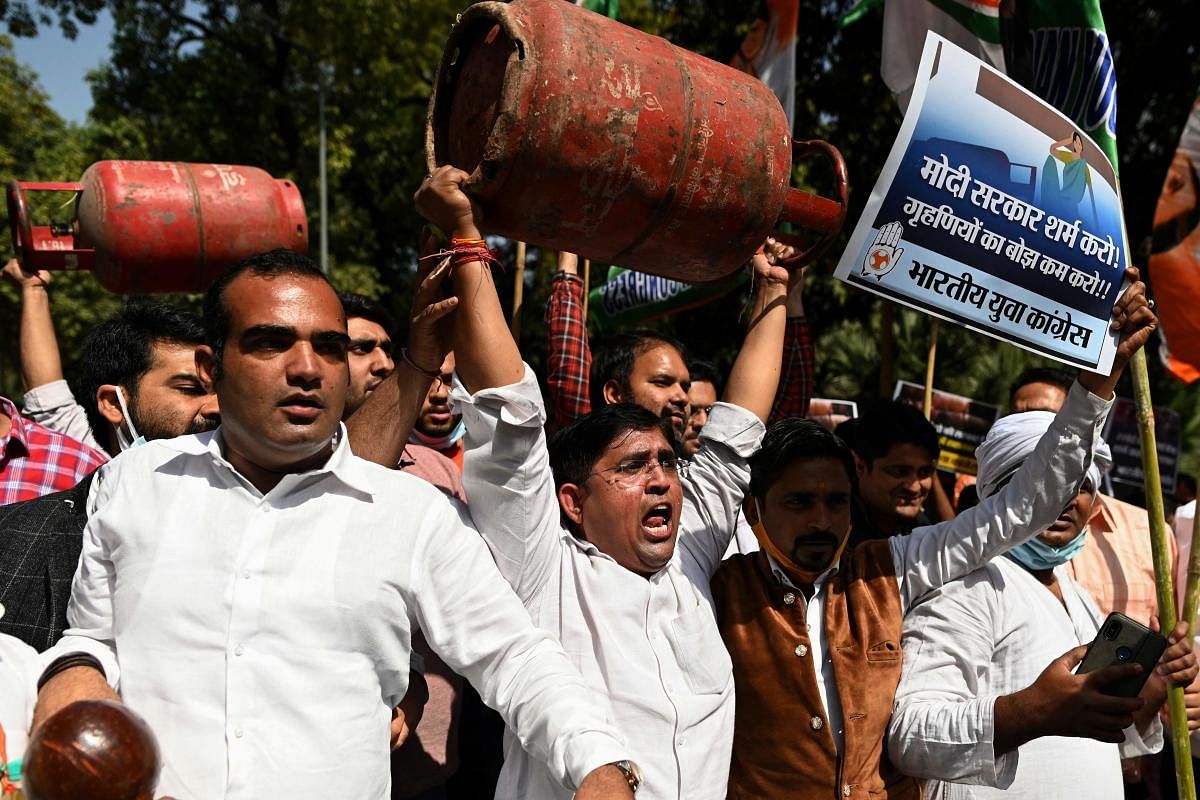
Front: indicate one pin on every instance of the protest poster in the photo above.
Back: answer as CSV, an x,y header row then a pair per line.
x,y
961,424
831,413
632,298
997,212
1121,433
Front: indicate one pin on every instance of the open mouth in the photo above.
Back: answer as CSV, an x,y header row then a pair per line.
x,y
1062,523
656,523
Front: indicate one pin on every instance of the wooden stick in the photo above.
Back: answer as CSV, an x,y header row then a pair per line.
x,y
1181,745
587,286
929,362
518,293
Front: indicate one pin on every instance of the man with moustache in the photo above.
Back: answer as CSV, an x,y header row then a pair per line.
x,y
813,626
253,591
370,353
608,547
703,394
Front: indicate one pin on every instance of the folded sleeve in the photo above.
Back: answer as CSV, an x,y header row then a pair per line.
x,y
54,406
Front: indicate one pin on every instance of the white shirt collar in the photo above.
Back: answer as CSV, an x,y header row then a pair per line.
x,y
786,580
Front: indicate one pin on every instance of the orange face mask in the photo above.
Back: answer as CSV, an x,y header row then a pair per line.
x,y
794,571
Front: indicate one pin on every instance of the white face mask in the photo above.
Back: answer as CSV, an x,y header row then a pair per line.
x,y
130,439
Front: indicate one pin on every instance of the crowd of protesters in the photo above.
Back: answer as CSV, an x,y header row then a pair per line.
x,y
319,565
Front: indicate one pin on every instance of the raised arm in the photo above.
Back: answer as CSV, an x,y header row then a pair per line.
x,y
380,428
755,373
936,554
484,351
799,361
568,356
40,360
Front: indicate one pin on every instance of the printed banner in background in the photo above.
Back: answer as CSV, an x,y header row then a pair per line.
x,y
631,298
996,212
831,413
1121,433
769,52
1175,258
961,424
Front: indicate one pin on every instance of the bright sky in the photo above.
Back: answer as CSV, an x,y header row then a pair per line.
x,y
61,63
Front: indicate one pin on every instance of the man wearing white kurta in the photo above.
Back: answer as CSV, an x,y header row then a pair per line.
x,y
592,549
252,591
976,644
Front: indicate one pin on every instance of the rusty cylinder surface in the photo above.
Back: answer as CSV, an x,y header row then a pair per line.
x,y
586,135
162,226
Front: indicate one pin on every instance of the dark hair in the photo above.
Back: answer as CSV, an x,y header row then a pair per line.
x,y
357,305
705,372
118,351
890,423
1183,478
790,440
847,431
614,360
216,313
576,448
1051,375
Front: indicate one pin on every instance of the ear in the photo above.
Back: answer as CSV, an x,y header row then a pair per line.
x,y
106,401
206,365
860,466
570,500
612,392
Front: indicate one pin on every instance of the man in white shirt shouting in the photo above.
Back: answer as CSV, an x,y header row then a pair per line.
x,y
252,591
610,550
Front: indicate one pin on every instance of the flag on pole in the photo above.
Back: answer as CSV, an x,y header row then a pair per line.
x,y
606,7
1175,256
769,52
973,25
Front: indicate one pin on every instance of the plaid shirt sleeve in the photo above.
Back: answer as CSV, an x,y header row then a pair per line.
x,y
569,360
36,461
796,376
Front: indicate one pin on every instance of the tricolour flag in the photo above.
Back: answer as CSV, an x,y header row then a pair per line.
x,y
1175,258
769,52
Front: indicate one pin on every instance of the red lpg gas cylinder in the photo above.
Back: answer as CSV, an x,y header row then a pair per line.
x,y
156,226
583,134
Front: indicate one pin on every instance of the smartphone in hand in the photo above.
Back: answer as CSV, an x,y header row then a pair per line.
x,y
1121,640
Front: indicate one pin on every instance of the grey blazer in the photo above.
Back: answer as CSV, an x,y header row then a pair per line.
x,y
40,541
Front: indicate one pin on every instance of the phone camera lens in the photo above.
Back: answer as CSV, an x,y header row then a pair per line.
x,y
1124,654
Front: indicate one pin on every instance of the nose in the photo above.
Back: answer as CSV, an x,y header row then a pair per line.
x,y
658,480
679,397
304,365
210,408
820,520
383,364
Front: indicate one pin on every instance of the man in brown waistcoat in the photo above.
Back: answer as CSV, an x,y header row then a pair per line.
x,y
813,629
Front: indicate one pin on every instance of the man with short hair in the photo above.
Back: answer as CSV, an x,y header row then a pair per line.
x,y
370,329
896,450
645,368
608,547
812,622
703,394
252,591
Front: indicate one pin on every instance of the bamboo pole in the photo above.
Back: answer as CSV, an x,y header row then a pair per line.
x,y
587,287
929,363
1191,592
1181,745
518,293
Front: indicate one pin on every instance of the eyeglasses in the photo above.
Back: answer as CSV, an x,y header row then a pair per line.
x,y
636,471
362,347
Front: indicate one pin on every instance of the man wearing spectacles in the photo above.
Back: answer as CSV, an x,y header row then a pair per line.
x,y
608,546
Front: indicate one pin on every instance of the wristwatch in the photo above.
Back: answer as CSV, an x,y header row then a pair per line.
x,y
631,772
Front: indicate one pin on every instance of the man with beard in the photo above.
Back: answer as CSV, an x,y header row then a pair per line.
x,y
813,627
609,548
370,354
252,591
139,368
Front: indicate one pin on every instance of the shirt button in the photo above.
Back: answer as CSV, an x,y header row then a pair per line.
x,y
817,723
245,574
845,790
679,741
789,598
238,732
802,651
237,651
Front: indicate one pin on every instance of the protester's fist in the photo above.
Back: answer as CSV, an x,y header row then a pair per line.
x,y
1132,318
765,264
1062,703
15,273
442,201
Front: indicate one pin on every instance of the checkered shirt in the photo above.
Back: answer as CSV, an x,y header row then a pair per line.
x,y
569,360
36,461
796,378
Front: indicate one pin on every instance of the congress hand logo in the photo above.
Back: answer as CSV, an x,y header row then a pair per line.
x,y
883,254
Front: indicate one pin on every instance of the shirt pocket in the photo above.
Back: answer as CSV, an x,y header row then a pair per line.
x,y
884,651
702,656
